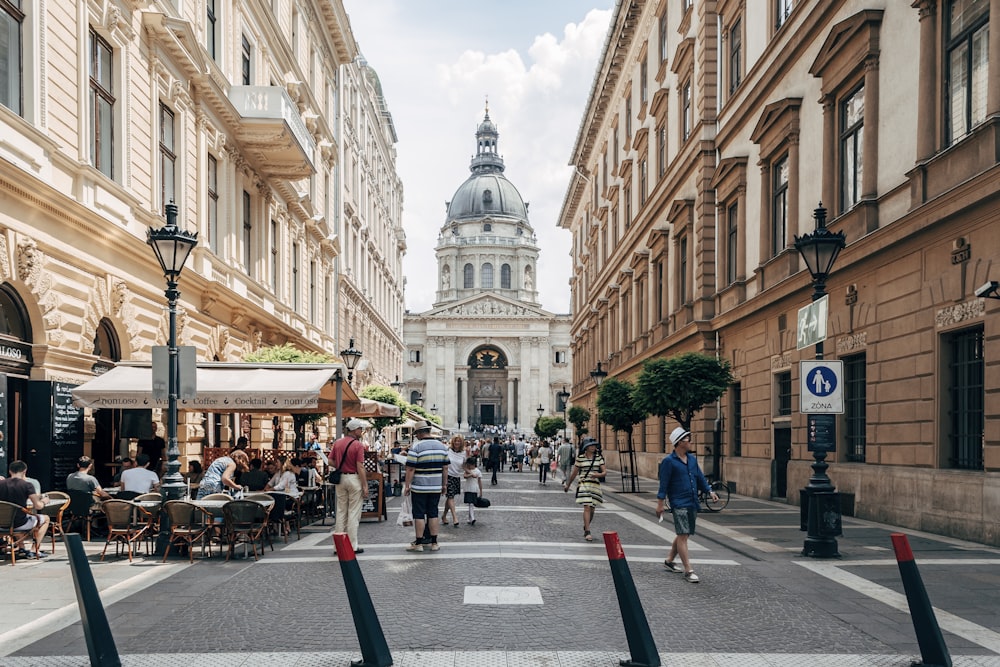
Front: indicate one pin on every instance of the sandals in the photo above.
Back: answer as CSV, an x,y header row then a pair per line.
x,y
587,536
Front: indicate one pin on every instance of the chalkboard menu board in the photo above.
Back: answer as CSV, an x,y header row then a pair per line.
x,y
374,506
55,433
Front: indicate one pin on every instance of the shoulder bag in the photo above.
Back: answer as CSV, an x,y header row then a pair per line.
x,y
585,475
334,476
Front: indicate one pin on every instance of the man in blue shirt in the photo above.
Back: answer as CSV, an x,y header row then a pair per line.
x,y
680,479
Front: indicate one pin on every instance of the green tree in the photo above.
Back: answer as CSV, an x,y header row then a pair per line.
x,y
289,354
680,386
616,407
424,413
383,394
579,417
548,427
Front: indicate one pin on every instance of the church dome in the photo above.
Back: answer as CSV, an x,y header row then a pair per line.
x,y
487,192
487,195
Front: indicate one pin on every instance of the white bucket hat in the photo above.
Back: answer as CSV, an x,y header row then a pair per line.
x,y
678,434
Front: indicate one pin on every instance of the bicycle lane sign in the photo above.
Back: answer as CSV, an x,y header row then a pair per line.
x,y
821,387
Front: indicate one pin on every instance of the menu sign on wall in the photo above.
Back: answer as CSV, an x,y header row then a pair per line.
x,y
67,433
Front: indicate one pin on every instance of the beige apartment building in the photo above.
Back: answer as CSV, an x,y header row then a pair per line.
x,y
109,110
713,131
372,240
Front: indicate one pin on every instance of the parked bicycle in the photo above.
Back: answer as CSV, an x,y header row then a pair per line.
x,y
721,490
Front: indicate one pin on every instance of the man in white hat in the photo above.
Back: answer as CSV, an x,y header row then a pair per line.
x,y
426,478
680,479
348,456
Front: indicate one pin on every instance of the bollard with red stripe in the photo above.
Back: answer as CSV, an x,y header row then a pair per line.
x,y
374,650
933,651
640,639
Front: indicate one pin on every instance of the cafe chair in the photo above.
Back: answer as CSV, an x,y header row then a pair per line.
x,y
55,514
245,522
127,523
285,513
188,524
12,515
81,509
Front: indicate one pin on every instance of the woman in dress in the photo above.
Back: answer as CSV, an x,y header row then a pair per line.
x,y
544,458
222,473
285,481
456,459
590,470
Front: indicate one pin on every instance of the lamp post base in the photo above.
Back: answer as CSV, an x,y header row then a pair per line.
x,y
820,547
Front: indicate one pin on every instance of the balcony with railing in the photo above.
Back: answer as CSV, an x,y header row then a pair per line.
x,y
276,139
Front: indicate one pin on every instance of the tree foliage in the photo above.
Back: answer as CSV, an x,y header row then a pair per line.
x,y
548,427
424,413
579,417
289,354
616,407
383,394
680,386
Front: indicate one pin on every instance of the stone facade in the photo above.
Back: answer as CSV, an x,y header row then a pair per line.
x,y
711,133
487,353
226,108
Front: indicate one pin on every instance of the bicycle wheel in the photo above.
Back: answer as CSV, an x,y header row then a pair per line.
x,y
722,491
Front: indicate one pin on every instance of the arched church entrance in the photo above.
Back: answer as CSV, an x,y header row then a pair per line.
x,y
488,403
15,368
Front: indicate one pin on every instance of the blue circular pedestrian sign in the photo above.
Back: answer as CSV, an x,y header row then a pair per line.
x,y
821,381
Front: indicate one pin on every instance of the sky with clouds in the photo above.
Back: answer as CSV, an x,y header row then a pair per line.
x,y
438,60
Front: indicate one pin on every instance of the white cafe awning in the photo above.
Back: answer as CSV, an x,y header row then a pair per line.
x,y
232,387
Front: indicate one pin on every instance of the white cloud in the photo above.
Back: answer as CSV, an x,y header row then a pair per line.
x,y
536,100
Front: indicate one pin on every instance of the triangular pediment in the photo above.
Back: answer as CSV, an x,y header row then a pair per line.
x,y
487,305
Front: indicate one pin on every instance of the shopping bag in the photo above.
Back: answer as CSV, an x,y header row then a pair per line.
x,y
552,466
405,513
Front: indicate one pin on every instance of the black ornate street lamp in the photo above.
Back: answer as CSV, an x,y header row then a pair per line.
x,y
172,246
396,385
598,375
434,409
351,358
820,250
419,401
563,397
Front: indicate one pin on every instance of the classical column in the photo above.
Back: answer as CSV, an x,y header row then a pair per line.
x,y
792,223
463,398
431,363
869,148
927,98
741,233
446,407
993,69
510,407
766,242
828,189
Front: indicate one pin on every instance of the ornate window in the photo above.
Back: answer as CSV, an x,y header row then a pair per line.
x,y
212,188
246,60
168,158
102,105
211,30
11,25
779,205
966,396
468,276
687,119
855,407
852,129
967,63
735,55
505,276
247,231
486,277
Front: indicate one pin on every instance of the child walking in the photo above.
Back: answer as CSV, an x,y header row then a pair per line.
x,y
472,486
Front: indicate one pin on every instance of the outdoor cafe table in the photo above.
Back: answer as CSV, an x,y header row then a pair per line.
x,y
214,507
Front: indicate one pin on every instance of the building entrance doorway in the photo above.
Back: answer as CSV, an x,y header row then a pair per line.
x,y
782,455
487,414
488,403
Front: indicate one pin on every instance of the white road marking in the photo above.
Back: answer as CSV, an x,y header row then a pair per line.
x,y
497,595
954,624
31,632
447,554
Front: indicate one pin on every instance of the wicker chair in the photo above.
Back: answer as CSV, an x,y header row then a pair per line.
x,y
245,524
81,508
11,516
55,514
284,514
188,524
127,523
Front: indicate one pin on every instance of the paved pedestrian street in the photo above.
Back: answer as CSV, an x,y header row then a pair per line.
x,y
522,587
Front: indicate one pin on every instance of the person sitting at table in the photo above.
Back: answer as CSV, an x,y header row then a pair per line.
x,y
140,479
256,479
285,480
127,463
195,473
221,474
18,490
82,480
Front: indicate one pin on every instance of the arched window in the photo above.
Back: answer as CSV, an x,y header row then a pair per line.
x,y
487,276
106,344
505,276
468,276
13,316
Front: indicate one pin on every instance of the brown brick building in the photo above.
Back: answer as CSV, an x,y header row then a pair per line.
x,y
711,133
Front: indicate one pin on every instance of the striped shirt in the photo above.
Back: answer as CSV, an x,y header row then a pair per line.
x,y
428,458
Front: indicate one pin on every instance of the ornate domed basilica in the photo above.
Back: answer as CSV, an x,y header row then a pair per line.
x,y
486,353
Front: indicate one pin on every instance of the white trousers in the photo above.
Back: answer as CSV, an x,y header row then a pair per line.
x,y
349,507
